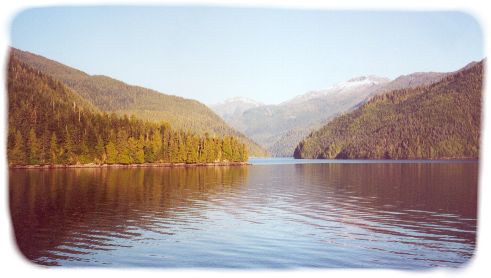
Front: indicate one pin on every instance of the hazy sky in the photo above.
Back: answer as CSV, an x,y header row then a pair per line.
x,y
271,55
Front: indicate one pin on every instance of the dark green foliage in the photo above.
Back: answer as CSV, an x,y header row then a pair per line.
x,y
34,148
53,149
50,124
100,153
111,153
441,120
109,95
227,149
17,154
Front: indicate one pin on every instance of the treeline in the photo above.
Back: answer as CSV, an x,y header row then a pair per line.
x,y
110,95
441,120
50,124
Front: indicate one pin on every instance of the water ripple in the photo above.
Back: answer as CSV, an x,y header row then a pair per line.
x,y
406,216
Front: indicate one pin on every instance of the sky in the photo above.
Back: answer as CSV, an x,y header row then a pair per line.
x,y
266,54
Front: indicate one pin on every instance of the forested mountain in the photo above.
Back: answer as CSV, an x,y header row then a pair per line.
x,y
49,123
110,95
280,127
440,120
412,80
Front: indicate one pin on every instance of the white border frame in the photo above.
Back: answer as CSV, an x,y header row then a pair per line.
x,y
13,263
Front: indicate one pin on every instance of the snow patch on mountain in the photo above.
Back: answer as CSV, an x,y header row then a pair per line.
x,y
240,100
234,106
347,87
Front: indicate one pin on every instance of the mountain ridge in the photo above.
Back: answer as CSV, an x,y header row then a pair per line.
x,y
50,124
114,96
277,127
434,121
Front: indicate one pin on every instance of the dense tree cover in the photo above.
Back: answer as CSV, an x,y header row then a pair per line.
x,y
441,120
51,124
113,96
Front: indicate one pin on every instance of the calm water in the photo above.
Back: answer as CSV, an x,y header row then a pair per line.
x,y
273,214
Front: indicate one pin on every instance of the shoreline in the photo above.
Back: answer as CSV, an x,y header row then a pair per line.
x,y
142,165
396,159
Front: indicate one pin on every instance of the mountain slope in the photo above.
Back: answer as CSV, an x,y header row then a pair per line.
x,y
50,124
234,107
280,127
412,80
110,95
441,120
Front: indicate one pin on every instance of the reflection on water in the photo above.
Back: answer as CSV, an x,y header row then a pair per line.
x,y
412,216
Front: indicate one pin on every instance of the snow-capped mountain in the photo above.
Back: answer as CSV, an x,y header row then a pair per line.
x,y
280,127
352,86
243,100
234,107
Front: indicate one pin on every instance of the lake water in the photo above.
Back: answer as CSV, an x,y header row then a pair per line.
x,y
276,213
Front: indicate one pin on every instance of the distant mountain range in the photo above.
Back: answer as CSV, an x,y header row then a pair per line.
x,y
317,119
280,127
233,108
113,96
435,120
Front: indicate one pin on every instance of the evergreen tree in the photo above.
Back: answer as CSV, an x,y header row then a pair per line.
x,y
111,153
53,149
227,149
51,124
83,156
244,155
218,154
44,151
156,144
174,150
140,154
203,151
191,150
68,147
100,152
166,143
181,154
17,155
123,152
34,147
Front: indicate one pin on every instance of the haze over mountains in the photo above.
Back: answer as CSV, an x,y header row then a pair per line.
x,y
233,108
280,127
